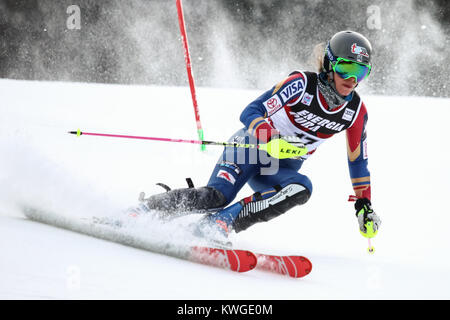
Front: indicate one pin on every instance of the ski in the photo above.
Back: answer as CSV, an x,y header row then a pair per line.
x,y
217,256
293,266
231,259
110,230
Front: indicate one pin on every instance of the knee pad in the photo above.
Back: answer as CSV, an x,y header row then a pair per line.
x,y
259,207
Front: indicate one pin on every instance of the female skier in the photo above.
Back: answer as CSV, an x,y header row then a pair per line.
x,y
305,109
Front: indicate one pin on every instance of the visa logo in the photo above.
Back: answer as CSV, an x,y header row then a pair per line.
x,y
295,88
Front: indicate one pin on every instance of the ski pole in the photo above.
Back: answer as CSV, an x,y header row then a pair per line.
x,y
370,249
187,59
370,232
277,148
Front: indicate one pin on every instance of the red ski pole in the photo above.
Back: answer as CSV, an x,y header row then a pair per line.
x,y
187,59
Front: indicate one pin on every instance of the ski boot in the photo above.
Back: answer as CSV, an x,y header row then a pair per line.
x,y
216,227
179,202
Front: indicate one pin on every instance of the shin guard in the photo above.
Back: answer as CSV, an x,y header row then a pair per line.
x,y
265,206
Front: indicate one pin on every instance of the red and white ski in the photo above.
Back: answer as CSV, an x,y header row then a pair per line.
x,y
226,258
293,266
235,260
111,230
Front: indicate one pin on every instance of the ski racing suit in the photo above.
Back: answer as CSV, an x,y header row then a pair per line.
x,y
293,107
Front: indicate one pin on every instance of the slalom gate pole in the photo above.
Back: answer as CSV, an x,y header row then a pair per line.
x,y
187,59
276,148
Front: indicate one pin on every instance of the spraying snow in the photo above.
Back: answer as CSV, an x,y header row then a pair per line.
x,y
43,165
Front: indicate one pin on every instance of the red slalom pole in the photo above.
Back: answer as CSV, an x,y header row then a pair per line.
x,y
187,59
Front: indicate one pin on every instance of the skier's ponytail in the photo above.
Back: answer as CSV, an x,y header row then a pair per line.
x,y
317,55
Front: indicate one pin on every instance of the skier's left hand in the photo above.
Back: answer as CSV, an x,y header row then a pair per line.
x,y
368,220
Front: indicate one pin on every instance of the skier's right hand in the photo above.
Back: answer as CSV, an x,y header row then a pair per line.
x,y
368,220
294,140
282,147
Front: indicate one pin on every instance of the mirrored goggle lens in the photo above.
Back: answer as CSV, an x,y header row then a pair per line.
x,y
351,69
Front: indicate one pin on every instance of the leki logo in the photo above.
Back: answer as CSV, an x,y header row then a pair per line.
x,y
359,50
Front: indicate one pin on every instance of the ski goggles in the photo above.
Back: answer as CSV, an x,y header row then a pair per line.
x,y
350,69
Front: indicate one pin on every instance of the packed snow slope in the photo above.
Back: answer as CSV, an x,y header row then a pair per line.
x,y
42,165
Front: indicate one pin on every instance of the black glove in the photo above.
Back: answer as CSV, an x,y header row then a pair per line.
x,y
369,222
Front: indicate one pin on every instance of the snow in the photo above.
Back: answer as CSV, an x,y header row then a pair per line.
x,y
41,164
